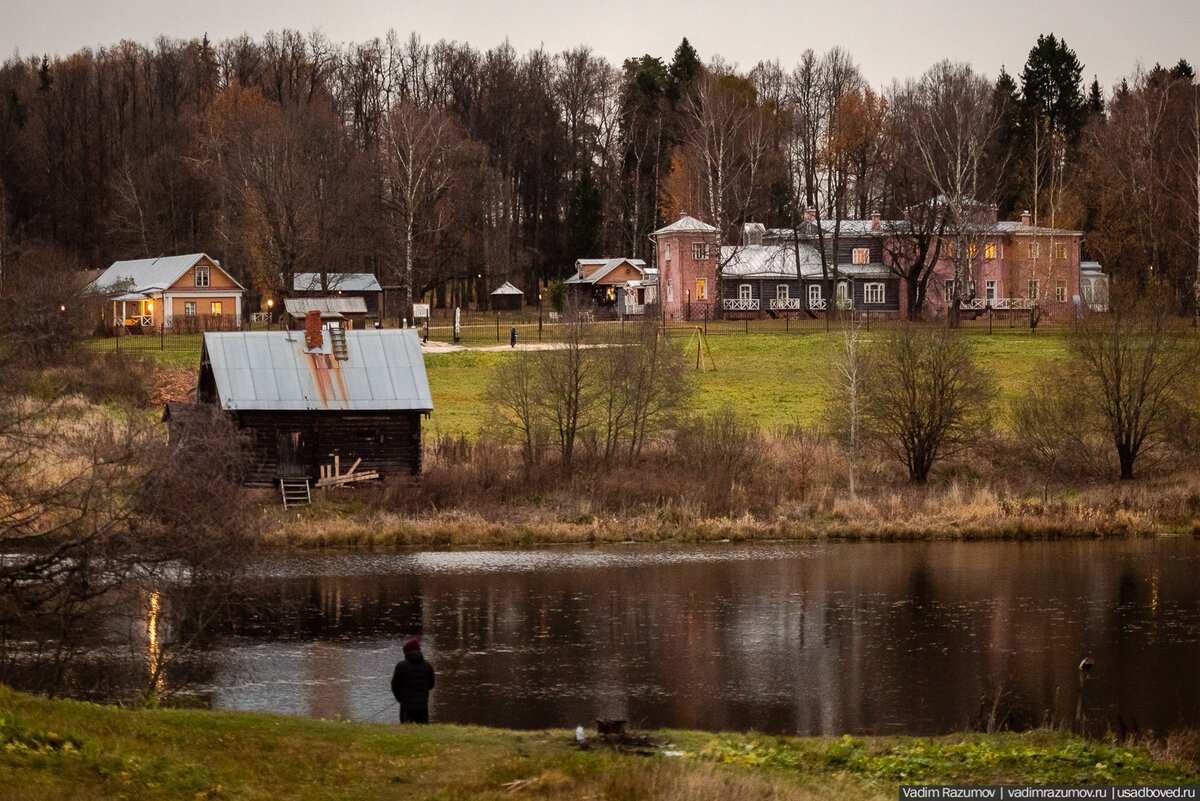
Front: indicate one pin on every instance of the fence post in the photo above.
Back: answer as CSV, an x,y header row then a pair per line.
x,y
497,326
162,335
868,321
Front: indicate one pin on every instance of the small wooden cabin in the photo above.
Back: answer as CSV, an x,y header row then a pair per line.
x,y
507,297
336,311
306,398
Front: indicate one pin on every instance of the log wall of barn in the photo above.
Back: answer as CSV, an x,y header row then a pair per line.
x,y
389,442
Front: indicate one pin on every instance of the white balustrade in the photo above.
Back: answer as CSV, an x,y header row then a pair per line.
x,y
741,304
785,304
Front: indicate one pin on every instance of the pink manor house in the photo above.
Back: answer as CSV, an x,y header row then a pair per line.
x,y
1011,266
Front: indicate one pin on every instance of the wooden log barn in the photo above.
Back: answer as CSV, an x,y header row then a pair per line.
x,y
318,406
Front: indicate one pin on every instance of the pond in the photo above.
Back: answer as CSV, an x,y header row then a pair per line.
x,y
807,639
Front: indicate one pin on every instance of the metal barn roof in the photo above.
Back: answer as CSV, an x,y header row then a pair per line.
x,y
507,289
272,371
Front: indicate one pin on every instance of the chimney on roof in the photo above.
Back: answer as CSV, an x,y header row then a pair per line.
x,y
993,213
682,214
810,214
312,330
874,221
1025,217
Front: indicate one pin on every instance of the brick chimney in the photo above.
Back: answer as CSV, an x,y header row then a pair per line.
x,y
993,213
810,214
313,338
874,221
1025,217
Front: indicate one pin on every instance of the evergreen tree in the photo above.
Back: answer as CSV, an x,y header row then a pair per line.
x,y
1183,70
685,66
585,218
1052,88
1095,101
1007,101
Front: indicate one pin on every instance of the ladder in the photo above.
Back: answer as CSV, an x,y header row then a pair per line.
x,y
295,491
337,342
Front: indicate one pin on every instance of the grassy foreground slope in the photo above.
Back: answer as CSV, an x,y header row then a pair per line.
x,y
71,750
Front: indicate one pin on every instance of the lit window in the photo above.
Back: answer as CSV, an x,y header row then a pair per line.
x,y
950,291
948,250
214,308
699,250
873,293
1033,250
1033,289
814,294
189,308
201,275
1060,250
989,289
745,292
989,250
781,291
701,289
971,251
1060,291
861,256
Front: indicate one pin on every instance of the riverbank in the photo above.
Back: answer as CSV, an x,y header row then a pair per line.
x,y
67,749
361,519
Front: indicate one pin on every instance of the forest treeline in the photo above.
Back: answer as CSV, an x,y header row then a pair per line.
x,y
444,169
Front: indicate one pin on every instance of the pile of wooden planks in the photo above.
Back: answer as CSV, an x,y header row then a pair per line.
x,y
332,475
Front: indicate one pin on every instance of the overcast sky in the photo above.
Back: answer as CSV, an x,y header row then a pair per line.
x,y
889,38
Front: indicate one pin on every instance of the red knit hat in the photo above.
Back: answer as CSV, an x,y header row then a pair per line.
x,y
411,644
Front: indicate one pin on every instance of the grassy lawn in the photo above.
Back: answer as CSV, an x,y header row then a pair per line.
x,y
71,750
777,379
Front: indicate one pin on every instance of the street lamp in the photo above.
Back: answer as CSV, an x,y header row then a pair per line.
x,y
688,294
539,317
270,310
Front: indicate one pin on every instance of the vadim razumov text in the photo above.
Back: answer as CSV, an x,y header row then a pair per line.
x,y
933,792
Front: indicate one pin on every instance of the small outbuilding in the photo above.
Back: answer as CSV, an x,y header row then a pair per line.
x,y
344,285
507,297
310,400
336,312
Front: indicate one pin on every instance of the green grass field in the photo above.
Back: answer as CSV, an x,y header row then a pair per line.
x,y
72,750
775,378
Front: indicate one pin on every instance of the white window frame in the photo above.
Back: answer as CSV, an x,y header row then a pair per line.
x,y
989,290
202,277
700,251
1034,250
745,292
860,256
1035,288
989,250
1060,248
215,308
667,252
781,292
815,295
874,292
1060,291
189,308
951,294
670,293
843,291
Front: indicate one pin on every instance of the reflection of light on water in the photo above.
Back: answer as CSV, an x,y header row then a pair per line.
x,y
153,646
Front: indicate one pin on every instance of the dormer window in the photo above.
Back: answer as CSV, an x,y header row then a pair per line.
x,y
201,275
861,256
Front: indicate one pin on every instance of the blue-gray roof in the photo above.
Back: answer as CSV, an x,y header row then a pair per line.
x,y
272,371
143,275
337,282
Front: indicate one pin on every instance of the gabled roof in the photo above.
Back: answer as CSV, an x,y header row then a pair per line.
x,y
145,275
336,305
685,224
336,282
604,267
507,289
272,371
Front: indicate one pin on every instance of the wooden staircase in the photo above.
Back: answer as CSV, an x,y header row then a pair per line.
x,y
337,343
295,492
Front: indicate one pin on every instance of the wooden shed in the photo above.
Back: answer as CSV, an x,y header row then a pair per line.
x,y
507,297
336,311
308,400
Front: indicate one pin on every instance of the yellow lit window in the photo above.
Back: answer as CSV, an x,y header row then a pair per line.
x,y
214,308
701,289
861,256
989,250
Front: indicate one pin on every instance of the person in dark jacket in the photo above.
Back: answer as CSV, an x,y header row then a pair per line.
x,y
411,682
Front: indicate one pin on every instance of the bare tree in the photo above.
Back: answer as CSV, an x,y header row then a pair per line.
x,y
927,399
956,120
851,369
1136,373
419,153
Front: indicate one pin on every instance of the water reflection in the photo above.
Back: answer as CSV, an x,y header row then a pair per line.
x,y
877,637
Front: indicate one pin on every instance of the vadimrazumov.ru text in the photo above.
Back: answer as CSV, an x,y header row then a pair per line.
x,y
934,792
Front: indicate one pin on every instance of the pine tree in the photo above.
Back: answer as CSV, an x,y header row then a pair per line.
x,y
1095,101
1052,88
685,66
585,216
